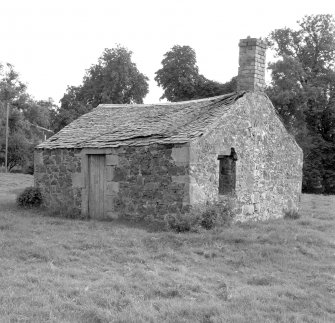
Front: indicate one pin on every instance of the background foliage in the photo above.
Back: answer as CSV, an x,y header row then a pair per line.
x,y
180,78
114,79
27,119
303,92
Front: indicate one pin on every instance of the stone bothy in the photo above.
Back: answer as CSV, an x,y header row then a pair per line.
x,y
147,160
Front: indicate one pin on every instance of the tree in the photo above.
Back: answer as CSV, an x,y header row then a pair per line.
x,y
115,79
38,112
179,76
303,92
180,79
72,106
20,141
210,88
19,150
11,88
25,117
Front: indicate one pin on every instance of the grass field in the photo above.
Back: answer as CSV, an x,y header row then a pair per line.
x,y
57,270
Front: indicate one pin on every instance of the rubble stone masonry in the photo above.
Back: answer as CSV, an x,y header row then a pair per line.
x,y
251,71
147,180
269,165
55,174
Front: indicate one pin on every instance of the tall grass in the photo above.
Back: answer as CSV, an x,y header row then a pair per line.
x,y
63,270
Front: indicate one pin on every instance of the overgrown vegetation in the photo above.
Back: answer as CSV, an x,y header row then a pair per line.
x,y
208,216
30,197
292,214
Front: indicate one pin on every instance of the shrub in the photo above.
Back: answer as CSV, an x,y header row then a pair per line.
x,y
30,197
216,214
183,222
291,214
208,216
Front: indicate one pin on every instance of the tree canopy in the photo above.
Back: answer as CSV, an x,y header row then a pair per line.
x,y
26,118
303,92
114,79
180,79
11,88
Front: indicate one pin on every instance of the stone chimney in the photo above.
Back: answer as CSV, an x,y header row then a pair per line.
x,y
251,71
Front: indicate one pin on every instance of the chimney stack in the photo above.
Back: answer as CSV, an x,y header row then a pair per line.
x,y
251,71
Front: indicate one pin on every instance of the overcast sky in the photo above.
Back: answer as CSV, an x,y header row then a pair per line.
x,y
52,43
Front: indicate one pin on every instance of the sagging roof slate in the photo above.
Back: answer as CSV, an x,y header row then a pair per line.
x,y
114,125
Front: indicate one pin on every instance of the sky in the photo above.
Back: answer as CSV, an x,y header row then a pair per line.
x,y
52,42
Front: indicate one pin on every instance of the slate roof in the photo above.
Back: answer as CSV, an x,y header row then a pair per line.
x,y
114,125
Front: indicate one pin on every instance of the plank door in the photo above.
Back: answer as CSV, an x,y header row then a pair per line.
x,y
96,169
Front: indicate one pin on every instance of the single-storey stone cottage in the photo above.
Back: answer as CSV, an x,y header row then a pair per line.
x,y
151,159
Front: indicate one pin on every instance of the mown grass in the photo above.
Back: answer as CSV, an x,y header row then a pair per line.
x,y
57,270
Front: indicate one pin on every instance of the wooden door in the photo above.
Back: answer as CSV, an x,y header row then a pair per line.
x,y
96,169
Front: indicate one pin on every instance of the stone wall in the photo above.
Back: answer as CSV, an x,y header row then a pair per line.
x,y
150,180
269,165
251,71
55,172
139,181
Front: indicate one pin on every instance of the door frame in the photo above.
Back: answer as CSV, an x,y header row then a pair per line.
x,y
85,152
96,185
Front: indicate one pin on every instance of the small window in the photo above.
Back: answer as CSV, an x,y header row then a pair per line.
x,y
227,172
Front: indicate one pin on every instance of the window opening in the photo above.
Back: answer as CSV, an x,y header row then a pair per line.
x,y
227,172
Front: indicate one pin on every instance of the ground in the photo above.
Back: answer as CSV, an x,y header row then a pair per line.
x,y
58,270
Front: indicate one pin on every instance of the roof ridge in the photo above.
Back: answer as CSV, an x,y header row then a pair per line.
x,y
122,105
227,98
